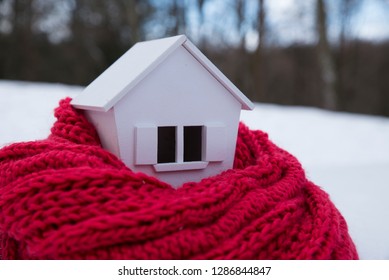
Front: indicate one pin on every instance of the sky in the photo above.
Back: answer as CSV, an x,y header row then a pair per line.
x,y
291,21
290,17
373,23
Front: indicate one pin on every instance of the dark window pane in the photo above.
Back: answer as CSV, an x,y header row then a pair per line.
x,y
192,143
166,144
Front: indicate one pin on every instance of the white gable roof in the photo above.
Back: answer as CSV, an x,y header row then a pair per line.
x,y
135,64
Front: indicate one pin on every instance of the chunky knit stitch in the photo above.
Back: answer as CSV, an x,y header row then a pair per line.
x,y
67,198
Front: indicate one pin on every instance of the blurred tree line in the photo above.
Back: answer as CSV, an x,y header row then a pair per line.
x,y
73,41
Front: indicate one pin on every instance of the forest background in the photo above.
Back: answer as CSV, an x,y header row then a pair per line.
x,y
331,54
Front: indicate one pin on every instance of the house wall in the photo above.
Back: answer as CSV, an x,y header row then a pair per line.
x,y
179,92
104,123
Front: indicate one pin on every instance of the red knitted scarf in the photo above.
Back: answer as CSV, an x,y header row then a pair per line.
x,y
67,198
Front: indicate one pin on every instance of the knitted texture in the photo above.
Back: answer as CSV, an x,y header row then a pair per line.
x,y
67,198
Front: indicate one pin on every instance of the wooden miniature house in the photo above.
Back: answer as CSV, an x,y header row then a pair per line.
x,y
166,110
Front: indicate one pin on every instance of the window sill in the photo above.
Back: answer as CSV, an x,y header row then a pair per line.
x,y
178,166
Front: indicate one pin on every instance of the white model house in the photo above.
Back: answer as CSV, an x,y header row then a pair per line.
x,y
166,110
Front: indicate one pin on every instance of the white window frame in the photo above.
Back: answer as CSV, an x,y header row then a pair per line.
x,y
146,143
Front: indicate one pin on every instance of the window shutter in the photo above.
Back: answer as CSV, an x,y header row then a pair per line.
x,y
215,143
146,145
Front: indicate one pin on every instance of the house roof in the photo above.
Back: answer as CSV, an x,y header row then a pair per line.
x,y
107,89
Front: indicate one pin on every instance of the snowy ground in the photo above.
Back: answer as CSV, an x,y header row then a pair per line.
x,y
346,154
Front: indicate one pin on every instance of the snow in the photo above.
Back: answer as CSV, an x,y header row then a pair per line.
x,y
345,154
26,109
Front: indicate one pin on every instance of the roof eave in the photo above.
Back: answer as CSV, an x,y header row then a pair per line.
x,y
82,102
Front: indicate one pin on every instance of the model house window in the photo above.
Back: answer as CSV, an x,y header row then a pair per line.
x,y
192,143
173,148
166,144
168,140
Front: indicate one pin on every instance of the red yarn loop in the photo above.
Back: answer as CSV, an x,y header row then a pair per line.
x,y
67,198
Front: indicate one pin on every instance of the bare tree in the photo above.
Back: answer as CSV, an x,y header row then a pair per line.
x,y
240,15
326,64
200,6
132,19
261,24
201,13
135,13
259,58
178,12
347,10
21,37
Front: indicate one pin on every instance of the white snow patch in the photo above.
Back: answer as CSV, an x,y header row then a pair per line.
x,y
27,109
